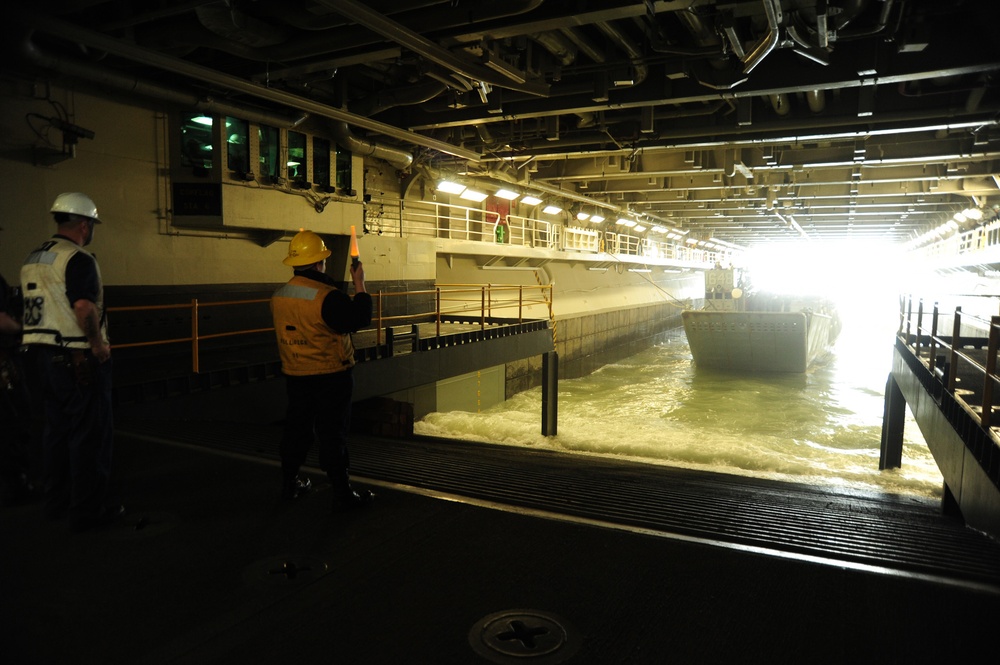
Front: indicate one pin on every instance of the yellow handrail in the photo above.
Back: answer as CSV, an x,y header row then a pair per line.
x,y
470,305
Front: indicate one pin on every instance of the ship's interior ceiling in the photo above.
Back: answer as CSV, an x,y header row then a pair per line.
x,y
747,121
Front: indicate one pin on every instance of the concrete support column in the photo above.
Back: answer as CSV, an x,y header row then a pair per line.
x,y
550,393
893,417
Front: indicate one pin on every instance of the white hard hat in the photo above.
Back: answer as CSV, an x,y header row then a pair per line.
x,y
75,203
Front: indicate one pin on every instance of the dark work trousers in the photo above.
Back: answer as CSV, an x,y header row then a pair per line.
x,y
78,434
15,421
319,407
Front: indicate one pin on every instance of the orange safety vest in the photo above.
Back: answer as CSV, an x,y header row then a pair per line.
x,y
306,345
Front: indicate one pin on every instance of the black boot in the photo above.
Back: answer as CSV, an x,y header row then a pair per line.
x,y
353,499
295,488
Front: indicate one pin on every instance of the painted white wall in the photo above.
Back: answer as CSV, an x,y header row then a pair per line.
x,y
387,258
124,169
576,289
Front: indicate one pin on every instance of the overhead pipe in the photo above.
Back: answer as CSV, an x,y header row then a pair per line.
x,y
780,104
395,156
347,38
388,98
708,42
772,9
816,99
628,46
883,21
207,75
131,84
584,44
558,44
419,44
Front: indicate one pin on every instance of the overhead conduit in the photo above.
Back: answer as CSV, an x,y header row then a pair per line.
x,y
204,74
772,9
131,84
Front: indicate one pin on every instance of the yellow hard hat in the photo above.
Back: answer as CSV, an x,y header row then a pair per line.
x,y
305,249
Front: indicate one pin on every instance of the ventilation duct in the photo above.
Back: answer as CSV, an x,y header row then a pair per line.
x,y
395,156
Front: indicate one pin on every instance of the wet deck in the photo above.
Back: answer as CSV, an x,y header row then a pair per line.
x,y
476,553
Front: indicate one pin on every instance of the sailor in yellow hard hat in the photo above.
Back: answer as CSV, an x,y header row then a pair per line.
x,y
313,322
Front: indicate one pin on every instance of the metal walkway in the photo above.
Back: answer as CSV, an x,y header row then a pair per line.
x,y
889,534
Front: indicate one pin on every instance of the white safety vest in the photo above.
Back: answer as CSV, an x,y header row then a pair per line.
x,y
48,313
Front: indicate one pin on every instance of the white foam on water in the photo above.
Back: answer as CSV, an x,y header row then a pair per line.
x,y
823,427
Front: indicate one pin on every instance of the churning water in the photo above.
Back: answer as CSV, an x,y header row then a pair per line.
x,y
822,427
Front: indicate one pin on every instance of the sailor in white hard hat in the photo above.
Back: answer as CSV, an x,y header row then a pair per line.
x,y
65,328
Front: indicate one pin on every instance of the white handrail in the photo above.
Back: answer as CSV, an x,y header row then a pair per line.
x,y
435,219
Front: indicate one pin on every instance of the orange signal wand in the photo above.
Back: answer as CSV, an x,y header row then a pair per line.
x,y
354,247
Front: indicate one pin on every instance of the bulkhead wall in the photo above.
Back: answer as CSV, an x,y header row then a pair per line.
x,y
586,342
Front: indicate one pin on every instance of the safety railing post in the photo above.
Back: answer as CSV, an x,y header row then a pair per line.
x,y
991,366
956,329
933,344
482,307
378,322
909,317
437,314
920,326
194,336
520,304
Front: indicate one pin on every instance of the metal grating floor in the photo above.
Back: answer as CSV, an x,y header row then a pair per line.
x,y
893,534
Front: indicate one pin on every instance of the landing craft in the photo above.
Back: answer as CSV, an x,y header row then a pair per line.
x,y
742,331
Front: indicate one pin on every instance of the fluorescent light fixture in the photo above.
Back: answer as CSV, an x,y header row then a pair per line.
x,y
639,270
639,228
691,241
530,200
202,120
598,269
960,217
507,194
597,218
625,222
473,195
583,216
973,213
551,210
450,187
660,229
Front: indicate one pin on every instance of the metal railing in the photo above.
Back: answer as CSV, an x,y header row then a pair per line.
x,y
480,303
979,239
434,219
947,358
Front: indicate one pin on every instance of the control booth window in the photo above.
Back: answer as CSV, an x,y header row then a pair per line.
x,y
321,162
196,143
343,168
297,164
238,145
270,152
